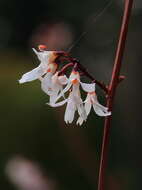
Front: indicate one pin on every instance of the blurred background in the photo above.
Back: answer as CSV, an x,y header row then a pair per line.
x,y
38,151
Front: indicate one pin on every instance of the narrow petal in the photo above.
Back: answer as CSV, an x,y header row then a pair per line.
x,y
88,104
43,56
64,91
63,80
70,111
88,87
75,90
53,97
82,111
36,52
67,88
55,78
46,84
101,106
54,93
39,54
32,75
88,107
57,104
69,115
101,110
80,121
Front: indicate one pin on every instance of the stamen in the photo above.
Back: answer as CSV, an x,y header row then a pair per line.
x,y
42,47
75,81
49,70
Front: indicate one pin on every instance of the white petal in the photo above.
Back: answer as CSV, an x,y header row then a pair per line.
x,y
36,52
55,89
57,104
88,107
54,93
101,106
64,90
70,111
32,75
88,87
87,98
80,121
55,78
82,112
53,97
67,87
46,84
101,110
43,56
40,78
75,89
63,80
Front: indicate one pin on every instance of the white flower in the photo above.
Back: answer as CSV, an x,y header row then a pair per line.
x,y
52,85
74,103
74,80
92,100
46,58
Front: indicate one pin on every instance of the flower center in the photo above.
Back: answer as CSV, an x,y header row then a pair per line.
x,y
92,93
49,70
42,47
74,81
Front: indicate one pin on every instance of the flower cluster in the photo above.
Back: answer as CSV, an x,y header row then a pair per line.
x,y
56,85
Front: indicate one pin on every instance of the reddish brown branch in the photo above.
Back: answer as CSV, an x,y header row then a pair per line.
x,y
63,70
100,84
112,89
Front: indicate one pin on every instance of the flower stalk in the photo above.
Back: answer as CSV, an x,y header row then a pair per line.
x,y
115,79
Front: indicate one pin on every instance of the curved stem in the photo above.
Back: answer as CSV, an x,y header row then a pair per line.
x,y
112,89
100,84
87,74
63,70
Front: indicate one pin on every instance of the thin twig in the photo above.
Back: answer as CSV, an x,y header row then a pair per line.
x,y
86,73
63,70
112,89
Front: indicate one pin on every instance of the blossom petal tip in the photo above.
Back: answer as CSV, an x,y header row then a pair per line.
x,y
34,50
109,113
21,81
49,104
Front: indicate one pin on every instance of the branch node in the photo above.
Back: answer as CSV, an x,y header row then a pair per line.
x,y
121,78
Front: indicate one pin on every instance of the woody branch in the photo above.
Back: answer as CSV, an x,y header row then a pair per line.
x,y
115,79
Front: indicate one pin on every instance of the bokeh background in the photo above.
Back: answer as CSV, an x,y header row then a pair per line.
x,y
37,150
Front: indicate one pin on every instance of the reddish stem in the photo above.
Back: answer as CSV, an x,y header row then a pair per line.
x,y
63,70
87,74
112,90
100,84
